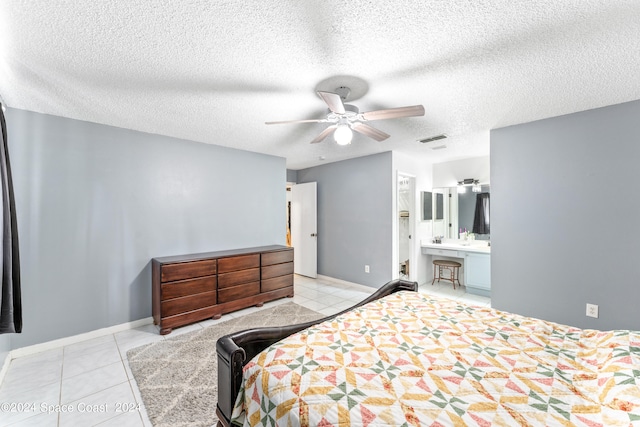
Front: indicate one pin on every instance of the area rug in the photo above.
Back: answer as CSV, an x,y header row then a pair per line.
x,y
178,378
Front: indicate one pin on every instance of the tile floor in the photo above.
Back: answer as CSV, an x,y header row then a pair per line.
x,y
90,384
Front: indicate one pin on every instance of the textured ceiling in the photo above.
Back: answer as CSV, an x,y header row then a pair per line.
x,y
215,71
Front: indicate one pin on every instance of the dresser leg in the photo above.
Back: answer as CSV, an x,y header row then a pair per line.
x,y
217,316
260,304
165,331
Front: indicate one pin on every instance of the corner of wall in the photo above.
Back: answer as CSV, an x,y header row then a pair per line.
x,y
292,176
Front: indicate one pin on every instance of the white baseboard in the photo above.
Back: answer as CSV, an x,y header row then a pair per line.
x,y
50,345
352,284
346,283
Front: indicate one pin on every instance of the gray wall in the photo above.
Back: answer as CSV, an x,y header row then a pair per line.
x,y
96,203
355,218
292,176
565,221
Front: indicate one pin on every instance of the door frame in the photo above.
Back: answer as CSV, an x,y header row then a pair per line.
x,y
413,259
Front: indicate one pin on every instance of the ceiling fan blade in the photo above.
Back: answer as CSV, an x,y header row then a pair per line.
x,y
370,131
325,133
333,100
296,121
392,113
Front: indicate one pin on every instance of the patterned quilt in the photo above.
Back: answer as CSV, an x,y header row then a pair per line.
x,y
411,359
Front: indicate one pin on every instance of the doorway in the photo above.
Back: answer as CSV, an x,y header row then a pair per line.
x,y
405,202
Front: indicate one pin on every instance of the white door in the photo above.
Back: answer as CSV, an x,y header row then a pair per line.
x,y
304,234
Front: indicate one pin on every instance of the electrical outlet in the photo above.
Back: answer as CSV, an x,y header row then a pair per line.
x,y
366,268
592,310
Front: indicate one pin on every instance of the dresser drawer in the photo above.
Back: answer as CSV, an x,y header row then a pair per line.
x,y
236,292
184,304
238,277
183,288
277,270
242,262
276,283
443,252
187,270
277,257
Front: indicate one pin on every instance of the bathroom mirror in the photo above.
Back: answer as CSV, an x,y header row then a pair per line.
x,y
458,211
427,205
432,206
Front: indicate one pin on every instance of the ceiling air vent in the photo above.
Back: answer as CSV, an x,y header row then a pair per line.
x,y
433,138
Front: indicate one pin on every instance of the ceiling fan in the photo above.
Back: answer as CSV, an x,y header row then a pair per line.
x,y
345,117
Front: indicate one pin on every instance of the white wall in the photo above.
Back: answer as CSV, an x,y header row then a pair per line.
x,y
448,174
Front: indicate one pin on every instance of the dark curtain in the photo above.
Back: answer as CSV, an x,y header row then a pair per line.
x,y
11,303
481,217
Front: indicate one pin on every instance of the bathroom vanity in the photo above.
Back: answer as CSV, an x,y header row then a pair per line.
x,y
475,259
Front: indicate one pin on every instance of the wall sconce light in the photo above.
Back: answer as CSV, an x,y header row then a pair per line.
x,y
474,183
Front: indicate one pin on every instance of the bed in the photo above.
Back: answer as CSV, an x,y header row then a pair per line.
x,y
405,358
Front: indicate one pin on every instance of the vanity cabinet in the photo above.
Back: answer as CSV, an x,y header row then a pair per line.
x,y
476,264
478,273
194,287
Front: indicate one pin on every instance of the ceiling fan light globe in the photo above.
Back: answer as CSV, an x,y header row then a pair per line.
x,y
343,135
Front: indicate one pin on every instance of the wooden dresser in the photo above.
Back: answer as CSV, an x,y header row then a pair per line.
x,y
190,288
